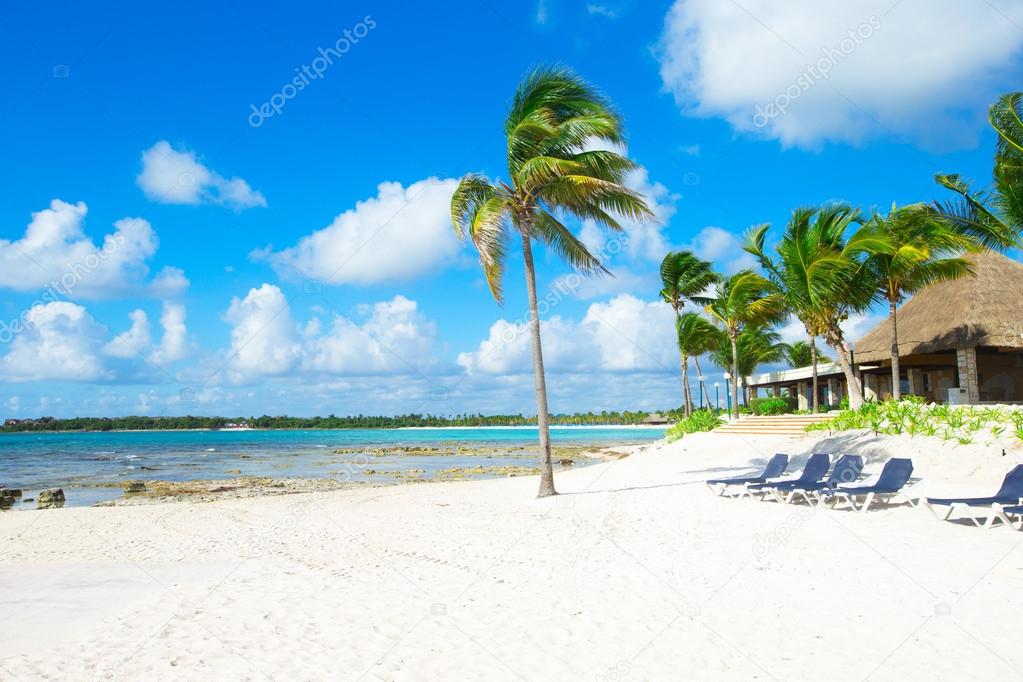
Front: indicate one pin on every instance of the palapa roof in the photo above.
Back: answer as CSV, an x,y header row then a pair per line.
x,y
985,310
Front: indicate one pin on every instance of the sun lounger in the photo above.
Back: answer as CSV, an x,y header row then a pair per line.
x,y
1009,495
775,468
847,470
894,476
816,469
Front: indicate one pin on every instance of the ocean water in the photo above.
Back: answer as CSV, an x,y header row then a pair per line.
x,y
91,466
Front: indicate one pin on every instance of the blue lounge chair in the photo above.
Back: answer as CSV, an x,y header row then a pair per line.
x,y
847,470
775,468
1009,495
816,469
1005,514
894,476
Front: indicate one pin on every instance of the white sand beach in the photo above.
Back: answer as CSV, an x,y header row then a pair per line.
x,y
636,572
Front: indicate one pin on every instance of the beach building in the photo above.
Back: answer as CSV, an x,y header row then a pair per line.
x,y
655,419
959,341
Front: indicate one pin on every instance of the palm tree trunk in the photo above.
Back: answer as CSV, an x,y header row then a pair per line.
x,y
813,361
686,393
685,382
546,467
703,385
735,372
853,384
896,371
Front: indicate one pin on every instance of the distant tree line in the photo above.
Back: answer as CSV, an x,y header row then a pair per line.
x,y
137,423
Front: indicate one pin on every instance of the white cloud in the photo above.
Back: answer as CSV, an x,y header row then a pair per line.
x,y
60,341
399,234
723,248
601,11
55,253
393,337
263,337
133,342
177,177
174,343
169,283
842,70
623,334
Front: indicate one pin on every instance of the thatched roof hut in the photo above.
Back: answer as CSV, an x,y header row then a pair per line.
x,y
655,419
985,310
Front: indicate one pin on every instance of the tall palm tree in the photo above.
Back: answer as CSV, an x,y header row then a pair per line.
x,y
801,354
994,216
696,335
924,248
554,120
741,300
822,277
684,276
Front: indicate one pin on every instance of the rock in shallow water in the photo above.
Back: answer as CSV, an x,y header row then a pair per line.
x,y
54,497
6,501
134,487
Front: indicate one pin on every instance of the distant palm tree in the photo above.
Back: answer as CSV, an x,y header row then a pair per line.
x,y
696,335
801,354
555,119
756,345
684,276
822,277
995,216
923,248
741,300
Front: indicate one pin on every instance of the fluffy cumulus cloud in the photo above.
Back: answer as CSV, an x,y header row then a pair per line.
x,y
55,254
135,340
174,344
620,335
723,248
170,176
399,234
812,70
386,338
60,341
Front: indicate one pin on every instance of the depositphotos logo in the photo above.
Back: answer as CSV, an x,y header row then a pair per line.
x,y
307,73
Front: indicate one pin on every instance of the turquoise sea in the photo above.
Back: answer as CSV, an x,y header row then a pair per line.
x,y
90,466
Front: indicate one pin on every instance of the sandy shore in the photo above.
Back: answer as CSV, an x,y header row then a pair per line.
x,y
636,573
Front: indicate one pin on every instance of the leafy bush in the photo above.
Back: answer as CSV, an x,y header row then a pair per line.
x,y
700,420
914,416
774,405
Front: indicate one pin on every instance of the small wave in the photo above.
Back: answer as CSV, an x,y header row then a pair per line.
x,y
211,449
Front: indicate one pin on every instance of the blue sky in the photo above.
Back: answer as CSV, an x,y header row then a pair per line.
x,y
303,263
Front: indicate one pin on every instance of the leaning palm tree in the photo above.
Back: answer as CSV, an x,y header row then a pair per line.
x,y
554,121
924,248
822,277
696,335
741,300
994,216
684,276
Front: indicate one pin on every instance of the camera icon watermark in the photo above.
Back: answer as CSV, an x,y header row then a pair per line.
x,y
61,71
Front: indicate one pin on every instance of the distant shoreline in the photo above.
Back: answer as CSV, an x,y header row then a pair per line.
x,y
351,428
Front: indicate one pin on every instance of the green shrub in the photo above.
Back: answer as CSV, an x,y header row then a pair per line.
x,y
774,405
700,420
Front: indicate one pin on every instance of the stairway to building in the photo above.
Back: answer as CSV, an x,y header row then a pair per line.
x,y
779,425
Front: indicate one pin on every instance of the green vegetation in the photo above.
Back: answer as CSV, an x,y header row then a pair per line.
x,y
695,335
329,422
774,405
699,420
914,417
553,170
801,354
